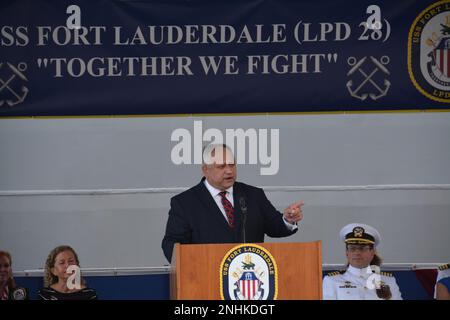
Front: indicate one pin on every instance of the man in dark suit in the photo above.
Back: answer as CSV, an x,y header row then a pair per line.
x,y
221,210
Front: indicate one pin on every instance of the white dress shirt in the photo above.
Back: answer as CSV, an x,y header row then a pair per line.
x,y
217,197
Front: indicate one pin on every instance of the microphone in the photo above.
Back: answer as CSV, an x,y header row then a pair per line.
x,y
243,206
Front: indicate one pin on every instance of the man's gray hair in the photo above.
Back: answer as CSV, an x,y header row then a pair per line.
x,y
217,149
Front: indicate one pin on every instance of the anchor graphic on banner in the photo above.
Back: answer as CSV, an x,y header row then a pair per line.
x,y
357,67
5,85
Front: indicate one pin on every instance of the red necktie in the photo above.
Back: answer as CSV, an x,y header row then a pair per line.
x,y
229,210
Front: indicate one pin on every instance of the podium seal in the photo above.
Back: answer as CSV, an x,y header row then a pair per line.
x,y
248,272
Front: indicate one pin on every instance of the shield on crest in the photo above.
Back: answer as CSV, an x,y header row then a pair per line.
x,y
249,285
441,56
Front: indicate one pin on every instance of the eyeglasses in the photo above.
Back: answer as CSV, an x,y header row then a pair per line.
x,y
364,248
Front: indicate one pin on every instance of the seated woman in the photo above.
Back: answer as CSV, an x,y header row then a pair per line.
x,y
362,280
8,288
58,280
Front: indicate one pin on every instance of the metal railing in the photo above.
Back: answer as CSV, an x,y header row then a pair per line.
x,y
175,190
166,269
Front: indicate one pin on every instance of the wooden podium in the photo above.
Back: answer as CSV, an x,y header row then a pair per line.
x,y
196,270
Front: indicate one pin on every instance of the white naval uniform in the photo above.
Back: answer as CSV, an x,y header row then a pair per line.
x,y
353,285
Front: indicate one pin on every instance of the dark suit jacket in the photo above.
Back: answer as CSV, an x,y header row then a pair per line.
x,y
194,217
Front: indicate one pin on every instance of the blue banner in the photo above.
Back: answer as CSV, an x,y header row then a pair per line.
x,y
85,58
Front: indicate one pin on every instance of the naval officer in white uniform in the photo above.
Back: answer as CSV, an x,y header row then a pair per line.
x,y
362,280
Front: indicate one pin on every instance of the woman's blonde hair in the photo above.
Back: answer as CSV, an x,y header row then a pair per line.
x,y
10,283
49,277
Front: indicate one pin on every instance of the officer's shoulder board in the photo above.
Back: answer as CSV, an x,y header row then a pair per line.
x,y
444,266
335,273
386,274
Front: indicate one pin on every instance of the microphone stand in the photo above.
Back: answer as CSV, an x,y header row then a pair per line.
x,y
244,217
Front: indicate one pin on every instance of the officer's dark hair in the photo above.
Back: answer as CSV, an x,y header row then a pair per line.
x,y
376,260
